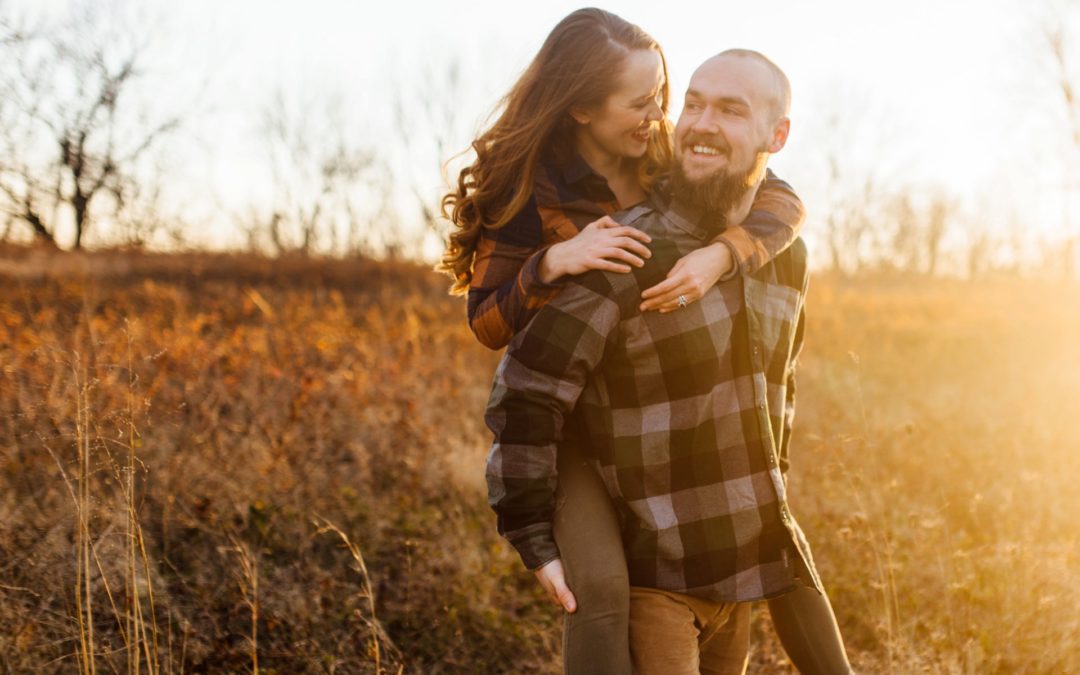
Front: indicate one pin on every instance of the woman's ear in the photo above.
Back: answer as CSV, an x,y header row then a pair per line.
x,y
580,115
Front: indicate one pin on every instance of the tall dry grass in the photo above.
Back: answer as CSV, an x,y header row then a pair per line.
x,y
222,464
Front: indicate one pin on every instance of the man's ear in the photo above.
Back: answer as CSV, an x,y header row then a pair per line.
x,y
780,135
580,115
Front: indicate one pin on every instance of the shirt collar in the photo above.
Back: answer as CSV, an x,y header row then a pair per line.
x,y
570,181
577,169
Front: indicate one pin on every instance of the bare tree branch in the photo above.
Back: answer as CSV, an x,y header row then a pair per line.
x,y
73,128
316,171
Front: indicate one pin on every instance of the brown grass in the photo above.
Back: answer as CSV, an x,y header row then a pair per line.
x,y
223,464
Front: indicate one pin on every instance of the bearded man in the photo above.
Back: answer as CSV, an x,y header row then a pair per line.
x,y
687,414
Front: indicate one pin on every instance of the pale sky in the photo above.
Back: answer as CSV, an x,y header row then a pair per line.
x,y
945,92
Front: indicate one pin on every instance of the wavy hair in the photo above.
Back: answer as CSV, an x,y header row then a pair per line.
x,y
577,66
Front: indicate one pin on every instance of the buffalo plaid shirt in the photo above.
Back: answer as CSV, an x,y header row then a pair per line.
x,y
686,415
506,290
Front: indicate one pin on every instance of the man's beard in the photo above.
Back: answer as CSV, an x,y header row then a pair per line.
x,y
716,194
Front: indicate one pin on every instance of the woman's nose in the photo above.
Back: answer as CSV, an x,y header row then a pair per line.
x,y
655,114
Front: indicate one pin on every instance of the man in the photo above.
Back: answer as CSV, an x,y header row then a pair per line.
x,y
687,414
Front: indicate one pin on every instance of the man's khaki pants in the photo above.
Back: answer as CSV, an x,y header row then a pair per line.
x,y
676,634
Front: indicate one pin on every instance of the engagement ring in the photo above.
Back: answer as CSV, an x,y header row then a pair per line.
x,y
682,301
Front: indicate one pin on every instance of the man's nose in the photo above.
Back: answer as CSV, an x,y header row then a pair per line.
x,y
706,123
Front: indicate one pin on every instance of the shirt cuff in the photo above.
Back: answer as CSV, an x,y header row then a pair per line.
x,y
535,544
737,263
530,280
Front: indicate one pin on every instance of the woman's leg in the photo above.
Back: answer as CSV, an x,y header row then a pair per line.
x,y
596,636
807,628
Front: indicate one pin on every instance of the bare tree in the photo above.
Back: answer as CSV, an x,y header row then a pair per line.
x,y
433,126
980,246
851,178
940,213
74,127
1060,42
317,174
906,225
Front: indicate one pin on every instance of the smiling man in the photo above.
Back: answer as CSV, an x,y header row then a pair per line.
x,y
687,415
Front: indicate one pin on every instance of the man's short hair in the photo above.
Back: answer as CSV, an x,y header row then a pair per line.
x,y
782,98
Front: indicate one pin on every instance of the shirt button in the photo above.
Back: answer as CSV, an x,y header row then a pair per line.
x,y
761,406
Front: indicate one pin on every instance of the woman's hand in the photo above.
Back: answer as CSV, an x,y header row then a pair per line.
x,y
553,580
602,245
694,273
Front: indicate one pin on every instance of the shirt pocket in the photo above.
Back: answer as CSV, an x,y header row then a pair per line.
x,y
773,310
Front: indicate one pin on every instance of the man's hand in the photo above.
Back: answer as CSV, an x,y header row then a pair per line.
x,y
693,274
553,580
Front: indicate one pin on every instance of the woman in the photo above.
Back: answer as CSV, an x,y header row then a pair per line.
x,y
584,133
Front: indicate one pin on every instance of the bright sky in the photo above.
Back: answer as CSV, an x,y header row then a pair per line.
x,y
927,92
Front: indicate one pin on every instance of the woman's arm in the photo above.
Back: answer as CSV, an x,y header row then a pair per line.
x,y
506,289
774,222
516,273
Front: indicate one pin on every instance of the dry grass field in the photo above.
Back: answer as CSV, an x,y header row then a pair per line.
x,y
223,464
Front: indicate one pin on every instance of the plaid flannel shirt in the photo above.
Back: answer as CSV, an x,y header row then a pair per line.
x,y
686,415
506,290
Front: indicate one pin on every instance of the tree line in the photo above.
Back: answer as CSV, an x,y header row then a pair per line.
x,y
79,143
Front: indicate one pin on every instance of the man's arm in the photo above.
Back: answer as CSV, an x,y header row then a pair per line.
x,y
537,383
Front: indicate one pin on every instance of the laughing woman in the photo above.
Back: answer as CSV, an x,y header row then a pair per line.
x,y
582,134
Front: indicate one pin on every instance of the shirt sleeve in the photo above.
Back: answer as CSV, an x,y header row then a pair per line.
x,y
774,222
506,290
789,391
537,383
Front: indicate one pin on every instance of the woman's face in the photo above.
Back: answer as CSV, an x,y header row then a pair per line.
x,y
619,127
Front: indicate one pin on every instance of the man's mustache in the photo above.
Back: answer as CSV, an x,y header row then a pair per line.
x,y
717,142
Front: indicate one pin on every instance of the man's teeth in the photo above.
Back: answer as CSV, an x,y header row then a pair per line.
x,y
705,150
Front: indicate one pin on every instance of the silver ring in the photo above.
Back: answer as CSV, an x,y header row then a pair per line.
x,y
682,301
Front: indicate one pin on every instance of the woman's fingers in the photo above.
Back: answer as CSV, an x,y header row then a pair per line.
x,y
665,286
666,301
634,246
609,266
665,295
633,232
553,579
623,255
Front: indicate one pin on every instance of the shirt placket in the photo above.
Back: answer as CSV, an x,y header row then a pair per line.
x,y
761,409
761,397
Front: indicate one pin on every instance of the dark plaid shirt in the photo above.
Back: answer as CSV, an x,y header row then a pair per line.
x,y
506,290
687,416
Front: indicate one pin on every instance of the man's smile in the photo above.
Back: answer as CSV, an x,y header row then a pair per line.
x,y
707,150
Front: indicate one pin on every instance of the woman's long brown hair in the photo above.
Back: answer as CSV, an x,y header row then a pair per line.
x,y
577,66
